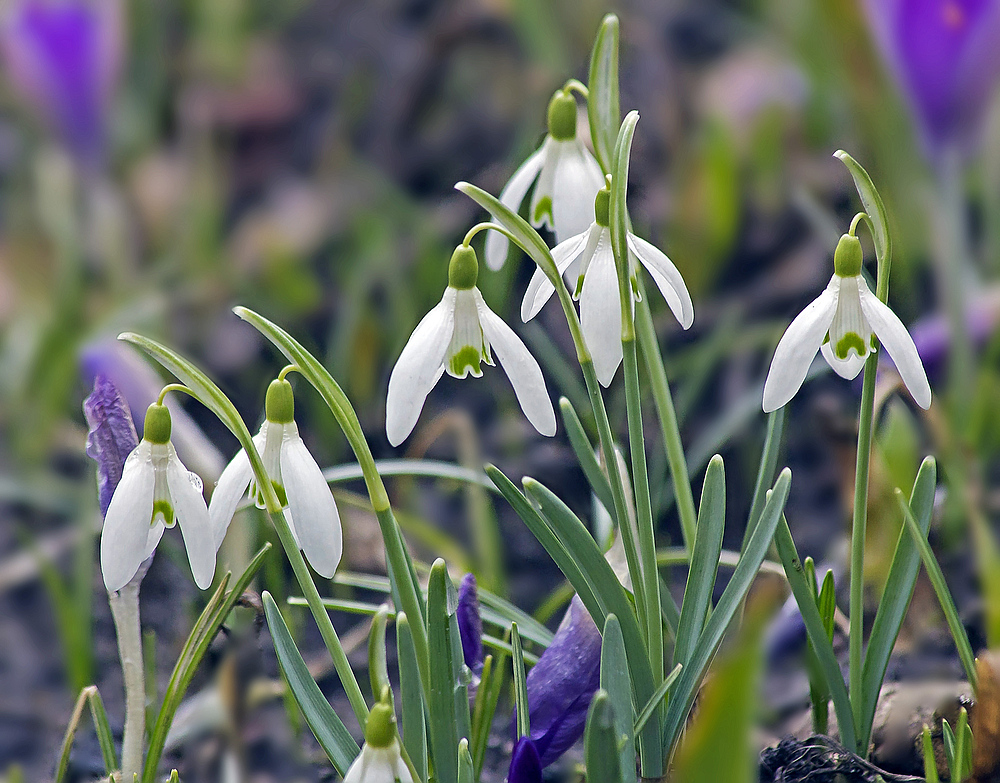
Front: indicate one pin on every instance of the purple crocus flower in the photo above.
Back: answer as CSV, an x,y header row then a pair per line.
x,y
112,436
525,766
562,683
64,58
943,53
470,624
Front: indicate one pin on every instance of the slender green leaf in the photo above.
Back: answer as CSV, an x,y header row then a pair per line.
x,y
943,594
523,724
204,631
326,725
826,603
948,738
443,723
414,729
896,595
585,455
102,728
816,631
669,610
958,766
603,110
768,464
620,222
465,766
480,720
62,765
704,560
686,688
378,667
930,761
873,205
615,681
600,741
422,468
659,696
492,689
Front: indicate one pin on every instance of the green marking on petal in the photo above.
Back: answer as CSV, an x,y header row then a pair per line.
x,y
166,509
579,287
847,342
543,208
465,357
279,490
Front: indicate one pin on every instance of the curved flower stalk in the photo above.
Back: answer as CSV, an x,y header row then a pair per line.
x,y
457,336
587,262
381,759
843,323
296,477
567,176
155,492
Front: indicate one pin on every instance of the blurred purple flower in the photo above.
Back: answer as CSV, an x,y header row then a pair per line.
x,y
944,55
932,334
525,766
562,683
470,624
112,436
64,58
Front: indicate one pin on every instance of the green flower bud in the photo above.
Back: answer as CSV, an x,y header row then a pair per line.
x,y
157,426
380,731
562,116
848,257
602,208
463,270
279,404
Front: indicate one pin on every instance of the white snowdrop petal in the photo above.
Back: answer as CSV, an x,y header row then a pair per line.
x,y
152,539
126,525
522,369
195,524
539,288
846,368
228,492
667,278
577,179
552,151
898,343
317,521
511,197
418,368
798,346
600,312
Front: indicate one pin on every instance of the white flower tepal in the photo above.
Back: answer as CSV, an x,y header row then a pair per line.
x,y
843,323
156,491
456,337
567,177
296,478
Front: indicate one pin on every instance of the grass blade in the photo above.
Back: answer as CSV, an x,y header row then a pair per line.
x,y
601,742
585,455
378,667
873,205
412,715
444,734
615,681
523,724
603,105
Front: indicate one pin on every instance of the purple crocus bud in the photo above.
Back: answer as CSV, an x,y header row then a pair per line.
x,y
112,436
525,766
943,53
470,624
562,683
64,58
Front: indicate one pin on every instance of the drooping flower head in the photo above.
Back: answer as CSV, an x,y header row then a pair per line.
x,y
111,437
943,53
297,480
380,760
63,57
588,263
456,337
567,177
156,491
843,324
562,683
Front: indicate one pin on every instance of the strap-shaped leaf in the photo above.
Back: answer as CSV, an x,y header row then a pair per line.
x,y
816,631
615,681
620,221
523,723
768,464
704,561
465,767
585,455
325,724
378,667
896,596
412,704
873,205
600,742
444,733
603,107
729,603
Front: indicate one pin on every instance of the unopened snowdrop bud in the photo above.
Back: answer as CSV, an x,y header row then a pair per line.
x,y
296,478
380,760
843,323
457,337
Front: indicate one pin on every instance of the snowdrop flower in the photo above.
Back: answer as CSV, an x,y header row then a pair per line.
x,y
588,263
567,177
155,492
457,336
380,760
298,481
842,323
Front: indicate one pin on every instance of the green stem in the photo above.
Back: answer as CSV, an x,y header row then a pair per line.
x,y
644,512
660,388
125,611
857,604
